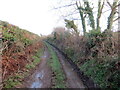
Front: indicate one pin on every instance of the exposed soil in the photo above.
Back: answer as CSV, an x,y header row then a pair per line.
x,y
72,79
41,76
87,81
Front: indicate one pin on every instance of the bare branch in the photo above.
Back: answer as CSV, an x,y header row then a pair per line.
x,y
65,6
101,9
106,10
75,19
117,5
71,14
116,19
85,15
109,4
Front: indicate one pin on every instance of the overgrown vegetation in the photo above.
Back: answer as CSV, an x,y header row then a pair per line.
x,y
96,51
36,59
18,47
96,55
16,79
105,74
57,69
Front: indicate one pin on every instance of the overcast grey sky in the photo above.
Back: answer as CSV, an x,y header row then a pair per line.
x,y
33,15
37,16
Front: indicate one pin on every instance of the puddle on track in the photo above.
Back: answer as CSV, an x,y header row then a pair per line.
x,y
41,76
38,76
37,84
45,56
38,80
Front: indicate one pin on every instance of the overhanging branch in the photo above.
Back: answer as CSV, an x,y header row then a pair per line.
x,y
64,6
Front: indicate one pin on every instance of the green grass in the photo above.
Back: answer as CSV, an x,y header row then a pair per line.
x,y
36,60
56,68
12,81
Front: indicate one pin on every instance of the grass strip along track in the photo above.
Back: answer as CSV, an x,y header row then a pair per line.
x,y
88,82
59,77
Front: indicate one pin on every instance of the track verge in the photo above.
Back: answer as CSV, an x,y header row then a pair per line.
x,y
87,81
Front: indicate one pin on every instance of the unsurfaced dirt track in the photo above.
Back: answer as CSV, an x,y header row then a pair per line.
x,y
72,79
41,76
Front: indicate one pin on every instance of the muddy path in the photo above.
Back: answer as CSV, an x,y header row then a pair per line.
x,y
72,78
41,76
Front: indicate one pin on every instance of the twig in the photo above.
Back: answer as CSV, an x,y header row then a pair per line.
x,y
116,19
109,4
64,6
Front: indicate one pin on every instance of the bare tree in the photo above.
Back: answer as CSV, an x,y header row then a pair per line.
x,y
89,11
85,11
82,17
112,14
100,8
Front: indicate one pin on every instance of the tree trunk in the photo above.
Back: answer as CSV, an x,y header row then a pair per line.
x,y
119,32
82,19
100,8
111,16
89,11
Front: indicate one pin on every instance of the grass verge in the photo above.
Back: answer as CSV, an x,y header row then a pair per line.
x,y
16,79
56,68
